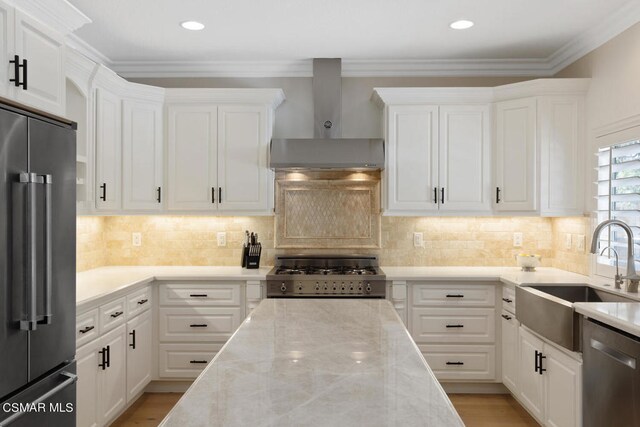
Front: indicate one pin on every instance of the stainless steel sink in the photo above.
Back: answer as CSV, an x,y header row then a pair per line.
x,y
548,309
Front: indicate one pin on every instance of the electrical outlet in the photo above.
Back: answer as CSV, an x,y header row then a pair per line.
x,y
136,239
222,238
418,240
580,242
517,240
567,241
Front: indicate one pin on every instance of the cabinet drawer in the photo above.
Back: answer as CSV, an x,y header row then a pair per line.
x,y
453,324
198,323
87,327
138,302
509,299
461,362
112,315
455,294
199,294
185,360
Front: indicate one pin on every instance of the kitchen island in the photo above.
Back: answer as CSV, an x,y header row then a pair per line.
x,y
317,362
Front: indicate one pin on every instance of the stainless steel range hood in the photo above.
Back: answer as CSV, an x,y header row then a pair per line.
x,y
327,149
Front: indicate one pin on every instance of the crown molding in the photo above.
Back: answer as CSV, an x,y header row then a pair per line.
x,y
584,43
286,68
58,14
78,44
594,37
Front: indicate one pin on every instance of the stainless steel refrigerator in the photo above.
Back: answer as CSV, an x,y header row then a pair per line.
x,y
37,269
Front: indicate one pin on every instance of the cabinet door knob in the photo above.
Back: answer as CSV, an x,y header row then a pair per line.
x,y
133,339
16,72
87,329
435,195
497,194
442,196
159,198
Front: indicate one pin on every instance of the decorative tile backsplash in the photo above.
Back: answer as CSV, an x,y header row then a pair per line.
x,y
188,240
327,210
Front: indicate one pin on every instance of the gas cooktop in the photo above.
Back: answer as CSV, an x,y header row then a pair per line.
x,y
355,276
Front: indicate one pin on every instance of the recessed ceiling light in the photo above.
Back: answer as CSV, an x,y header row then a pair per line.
x,y
192,25
462,24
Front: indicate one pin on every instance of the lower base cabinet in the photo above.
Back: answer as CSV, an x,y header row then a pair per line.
x,y
461,362
185,360
139,334
101,388
550,382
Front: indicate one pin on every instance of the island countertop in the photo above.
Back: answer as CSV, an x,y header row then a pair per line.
x,y
317,362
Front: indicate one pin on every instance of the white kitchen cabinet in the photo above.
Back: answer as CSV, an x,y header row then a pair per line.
x,y
6,48
192,157
510,351
531,381
243,172
139,334
515,170
217,148
101,389
108,150
44,50
464,158
411,173
550,382
454,326
87,388
142,155
563,389
561,130
112,381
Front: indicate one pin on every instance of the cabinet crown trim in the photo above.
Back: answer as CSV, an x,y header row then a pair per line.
x,y
383,96
273,97
57,14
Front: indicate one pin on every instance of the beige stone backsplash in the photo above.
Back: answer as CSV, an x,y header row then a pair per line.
x,y
448,241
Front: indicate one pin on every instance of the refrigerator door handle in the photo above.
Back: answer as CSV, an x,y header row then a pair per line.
x,y
30,320
47,180
70,379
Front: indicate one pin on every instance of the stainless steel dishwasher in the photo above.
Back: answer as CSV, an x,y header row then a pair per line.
x,y
611,389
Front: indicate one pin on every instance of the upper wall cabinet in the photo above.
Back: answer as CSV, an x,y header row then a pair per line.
x,y
32,51
128,144
440,144
537,153
217,146
438,150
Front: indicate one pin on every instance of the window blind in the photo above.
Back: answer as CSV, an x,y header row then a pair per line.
x,y
619,198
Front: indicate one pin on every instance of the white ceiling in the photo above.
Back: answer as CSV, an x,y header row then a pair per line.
x,y
521,31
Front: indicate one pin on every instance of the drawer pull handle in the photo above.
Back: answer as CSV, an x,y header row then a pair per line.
x,y
87,329
142,301
455,326
455,363
198,325
198,295
455,296
117,314
506,317
507,300
198,361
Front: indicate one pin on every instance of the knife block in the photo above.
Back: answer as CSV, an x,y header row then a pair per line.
x,y
251,256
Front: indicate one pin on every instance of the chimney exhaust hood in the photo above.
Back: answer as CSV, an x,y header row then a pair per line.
x,y
327,149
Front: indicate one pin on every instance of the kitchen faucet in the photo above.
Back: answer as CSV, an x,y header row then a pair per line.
x,y
618,277
632,276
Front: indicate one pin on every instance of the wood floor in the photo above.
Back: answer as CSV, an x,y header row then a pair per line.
x,y
476,410
491,410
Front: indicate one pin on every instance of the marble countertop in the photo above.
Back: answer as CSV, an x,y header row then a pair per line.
x,y
621,315
297,362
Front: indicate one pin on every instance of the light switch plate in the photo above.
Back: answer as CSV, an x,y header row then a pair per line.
x,y
580,242
222,238
418,240
136,239
517,240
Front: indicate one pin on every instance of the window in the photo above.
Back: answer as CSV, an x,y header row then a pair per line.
x,y
618,197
